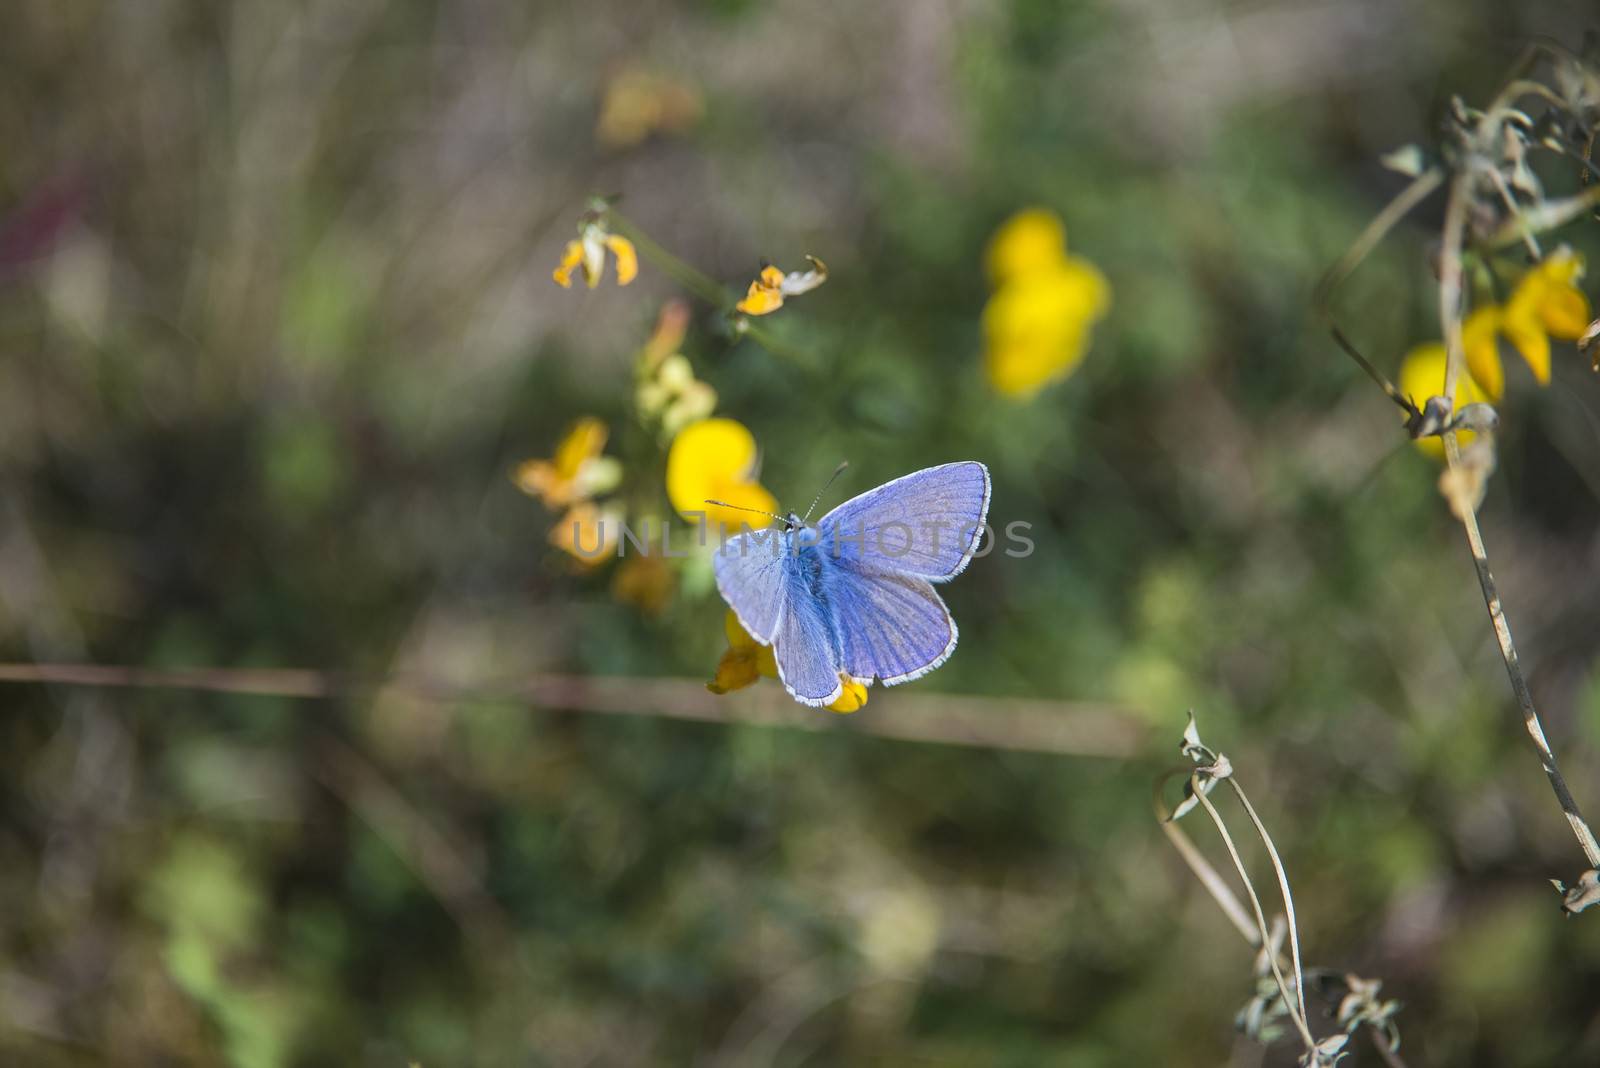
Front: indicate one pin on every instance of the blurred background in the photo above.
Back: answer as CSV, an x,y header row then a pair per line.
x,y
277,325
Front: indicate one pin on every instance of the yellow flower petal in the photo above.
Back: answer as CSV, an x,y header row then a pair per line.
x,y
1032,240
744,662
1565,312
738,637
585,439
1036,327
627,258
588,533
1529,338
735,671
760,300
854,696
1480,342
1421,377
671,326
716,459
571,256
646,581
765,294
577,471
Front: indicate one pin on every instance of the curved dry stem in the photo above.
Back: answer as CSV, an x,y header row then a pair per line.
x,y
1209,877
1283,888
1289,1002
1408,198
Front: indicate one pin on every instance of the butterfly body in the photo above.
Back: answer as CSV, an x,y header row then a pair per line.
x,y
852,597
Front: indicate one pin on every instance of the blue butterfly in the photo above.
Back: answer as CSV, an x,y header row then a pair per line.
x,y
853,596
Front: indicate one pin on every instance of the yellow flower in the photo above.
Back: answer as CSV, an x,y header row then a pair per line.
x,y
1037,323
671,327
1546,303
746,660
766,293
1032,241
577,472
717,459
638,103
854,696
671,393
588,532
1421,377
646,581
588,252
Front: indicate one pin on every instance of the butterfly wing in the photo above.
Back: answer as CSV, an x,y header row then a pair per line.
x,y
927,523
806,646
750,576
891,625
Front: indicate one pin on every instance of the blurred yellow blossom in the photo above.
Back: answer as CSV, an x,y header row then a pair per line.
x,y
1037,323
1033,241
576,473
1421,377
672,325
667,390
588,252
717,459
638,103
674,395
746,660
766,293
1546,303
646,581
588,532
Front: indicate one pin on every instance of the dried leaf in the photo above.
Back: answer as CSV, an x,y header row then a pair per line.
x,y
1408,160
1580,897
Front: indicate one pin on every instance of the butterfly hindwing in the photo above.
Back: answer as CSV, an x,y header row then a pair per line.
x,y
927,523
891,626
807,643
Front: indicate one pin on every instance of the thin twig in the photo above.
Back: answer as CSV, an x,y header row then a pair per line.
x,y
1209,877
1261,920
1283,888
1519,684
1398,208
1066,728
1455,363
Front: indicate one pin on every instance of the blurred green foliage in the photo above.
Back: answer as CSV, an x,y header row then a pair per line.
x,y
265,374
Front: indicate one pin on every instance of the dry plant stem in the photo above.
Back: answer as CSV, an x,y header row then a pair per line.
x,y
1209,877
702,285
1529,242
1265,933
1398,208
1455,362
1455,224
1380,1042
1519,684
1283,888
1226,900
1064,728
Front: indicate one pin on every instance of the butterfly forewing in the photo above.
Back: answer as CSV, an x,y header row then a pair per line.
x,y
927,523
750,577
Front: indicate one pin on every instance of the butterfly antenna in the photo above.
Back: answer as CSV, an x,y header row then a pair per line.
x,y
742,508
837,471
